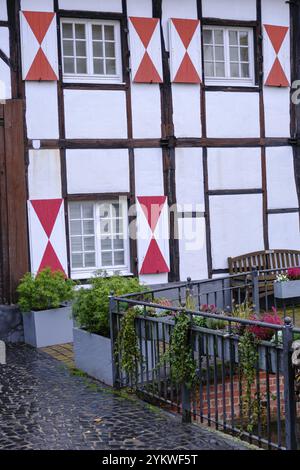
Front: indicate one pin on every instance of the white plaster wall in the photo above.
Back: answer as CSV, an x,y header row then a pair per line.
x,y
282,193
92,5
4,41
41,110
3,10
284,231
234,168
38,5
232,114
149,172
192,248
186,110
186,9
153,279
139,8
97,171
95,114
189,179
5,81
44,174
277,111
236,226
230,9
146,111
275,12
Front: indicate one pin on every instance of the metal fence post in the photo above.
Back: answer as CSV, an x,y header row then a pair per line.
x,y
113,338
255,293
186,395
289,386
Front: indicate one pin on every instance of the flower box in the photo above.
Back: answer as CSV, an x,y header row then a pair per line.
x,y
48,327
287,290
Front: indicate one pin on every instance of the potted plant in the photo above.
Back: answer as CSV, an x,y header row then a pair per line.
x,y
287,286
92,344
45,304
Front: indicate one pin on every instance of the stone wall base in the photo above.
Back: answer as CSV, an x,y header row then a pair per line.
x,y
11,324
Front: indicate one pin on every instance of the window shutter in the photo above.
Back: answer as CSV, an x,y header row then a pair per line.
x,y
39,46
276,56
185,51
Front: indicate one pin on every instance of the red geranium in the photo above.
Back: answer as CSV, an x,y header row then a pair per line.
x,y
294,274
261,332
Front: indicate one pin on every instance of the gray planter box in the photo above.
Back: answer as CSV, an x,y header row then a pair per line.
x,y
92,354
48,327
287,290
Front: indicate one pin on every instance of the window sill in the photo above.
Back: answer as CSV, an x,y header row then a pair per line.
x,y
82,79
83,275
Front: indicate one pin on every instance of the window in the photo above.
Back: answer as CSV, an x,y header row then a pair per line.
x,y
98,237
91,51
228,55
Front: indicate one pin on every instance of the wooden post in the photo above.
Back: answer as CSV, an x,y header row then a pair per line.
x,y
289,386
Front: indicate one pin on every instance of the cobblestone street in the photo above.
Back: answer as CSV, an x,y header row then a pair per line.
x,y
44,406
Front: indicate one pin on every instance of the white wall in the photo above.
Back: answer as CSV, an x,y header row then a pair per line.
x,y
92,5
275,12
230,9
236,226
189,179
44,174
95,114
186,9
37,5
186,110
138,8
5,86
41,110
282,193
284,231
232,114
4,41
192,248
277,111
97,171
3,10
149,172
234,168
146,111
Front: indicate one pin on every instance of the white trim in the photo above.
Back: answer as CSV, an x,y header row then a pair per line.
x,y
90,77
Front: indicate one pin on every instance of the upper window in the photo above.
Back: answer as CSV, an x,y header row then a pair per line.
x,y
91,51
228,56
98,237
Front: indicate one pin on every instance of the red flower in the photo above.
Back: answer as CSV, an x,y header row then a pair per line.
x,y
263,333
294,274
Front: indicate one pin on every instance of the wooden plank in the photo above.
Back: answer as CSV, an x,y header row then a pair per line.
x,y
4,261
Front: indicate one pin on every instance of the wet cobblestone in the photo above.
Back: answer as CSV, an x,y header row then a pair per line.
x,y
43,406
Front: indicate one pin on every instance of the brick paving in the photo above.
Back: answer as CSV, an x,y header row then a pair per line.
x,y
44,405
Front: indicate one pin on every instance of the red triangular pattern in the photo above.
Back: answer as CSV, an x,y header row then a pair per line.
x,y
186,29
147,72
187,72
41,69
276,35
154,262
152,207
145,28
39,22
47,211
277,76
50,260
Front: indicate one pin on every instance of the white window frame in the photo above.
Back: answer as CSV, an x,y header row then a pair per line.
x,y
228,80
124,270
89,77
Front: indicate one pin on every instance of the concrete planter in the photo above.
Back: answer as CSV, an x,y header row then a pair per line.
x,y
287,290
92,354
48,327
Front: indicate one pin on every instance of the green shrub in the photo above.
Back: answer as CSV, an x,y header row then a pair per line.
x,y
48,290
91,306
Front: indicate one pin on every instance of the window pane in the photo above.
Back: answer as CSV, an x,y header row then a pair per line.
x,y
88,227
88,211
118,243
245,71
109,33
116,210
107,259
98,49
105,226
219,52
77,260
81,66
75,211
207,36
111,67
76,244
208,53
69,66
80,48
99,66
119,258
97,32
244,54
110,49
106,244
118,225
75,227
104,210
220,69
234,54
68,48
234,70
67,30
209,69
219,36
90,260
243,38
80,31
89,244
233,38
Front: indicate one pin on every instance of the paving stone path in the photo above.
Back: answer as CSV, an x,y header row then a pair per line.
x,y
44,406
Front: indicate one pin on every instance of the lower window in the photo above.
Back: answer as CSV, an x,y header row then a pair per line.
x,y
98,238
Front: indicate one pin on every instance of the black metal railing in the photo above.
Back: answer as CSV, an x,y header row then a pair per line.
x,y
267,415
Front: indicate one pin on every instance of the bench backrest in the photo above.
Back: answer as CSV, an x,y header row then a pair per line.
x,y
270,259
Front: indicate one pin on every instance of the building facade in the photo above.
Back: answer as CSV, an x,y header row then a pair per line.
x,y
171,119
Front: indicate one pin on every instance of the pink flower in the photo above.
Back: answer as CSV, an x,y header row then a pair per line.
x,y
265,333
294,274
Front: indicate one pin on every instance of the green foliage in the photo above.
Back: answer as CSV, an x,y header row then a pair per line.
x,y
48,290
127,351
91,306
199,321
216,323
